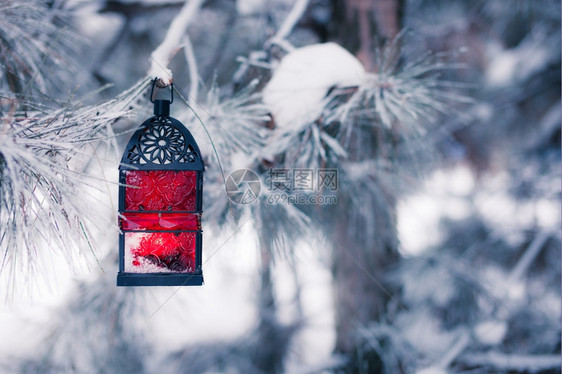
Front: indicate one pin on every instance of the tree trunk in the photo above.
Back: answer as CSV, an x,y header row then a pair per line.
x,y
356,22
360,259
272,338
360,293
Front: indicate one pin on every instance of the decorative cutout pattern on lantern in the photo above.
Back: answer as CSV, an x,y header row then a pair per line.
x,y
160,206
161,144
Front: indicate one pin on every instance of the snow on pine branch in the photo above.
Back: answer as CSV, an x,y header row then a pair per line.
x,y
320,95
297,91
44,205
297,96
173,41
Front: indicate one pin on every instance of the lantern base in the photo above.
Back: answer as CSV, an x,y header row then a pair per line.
x,y
159,279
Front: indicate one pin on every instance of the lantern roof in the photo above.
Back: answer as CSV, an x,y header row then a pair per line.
x,y
162,143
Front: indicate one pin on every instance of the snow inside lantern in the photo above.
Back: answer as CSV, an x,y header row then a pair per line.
x,y
160,204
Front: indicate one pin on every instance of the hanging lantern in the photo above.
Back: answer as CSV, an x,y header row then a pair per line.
x,y
160,204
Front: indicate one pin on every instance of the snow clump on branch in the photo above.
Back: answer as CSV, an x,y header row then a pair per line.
x,y
296,95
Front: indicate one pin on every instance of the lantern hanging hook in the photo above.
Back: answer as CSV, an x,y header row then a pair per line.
x,y
161,107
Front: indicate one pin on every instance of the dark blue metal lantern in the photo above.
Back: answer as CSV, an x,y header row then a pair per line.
x,y
160,204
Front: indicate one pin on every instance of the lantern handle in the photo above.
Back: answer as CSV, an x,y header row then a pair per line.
x,y
161,107
152,91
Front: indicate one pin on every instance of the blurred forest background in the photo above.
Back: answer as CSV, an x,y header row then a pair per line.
x,y
442,118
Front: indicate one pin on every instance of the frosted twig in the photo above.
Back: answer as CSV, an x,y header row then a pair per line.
x,y
256,58
296,13
283,43
455,350
449,356
162,55
192,63
528,257
512,362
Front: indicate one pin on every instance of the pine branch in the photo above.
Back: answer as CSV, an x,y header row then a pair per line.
x,y
489,329
192,64
162,55
405,96
33,39
44,196
236,122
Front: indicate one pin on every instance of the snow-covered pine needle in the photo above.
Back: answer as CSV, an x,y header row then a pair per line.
x,y
43,198
297,96
279,226
403,96
237,123
325,111
234,126
33,38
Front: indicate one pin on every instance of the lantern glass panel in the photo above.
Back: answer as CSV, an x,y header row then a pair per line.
x,y
160,252
161,190
139,221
